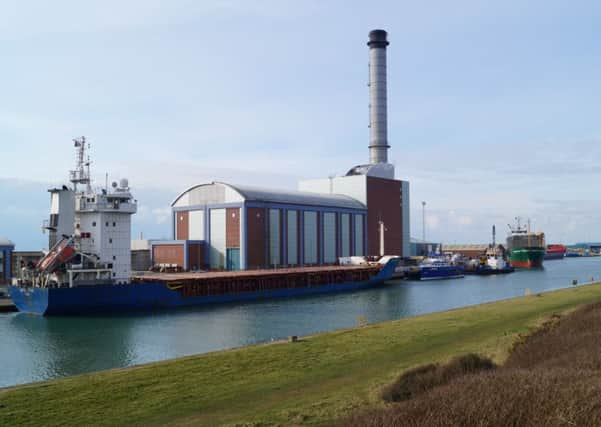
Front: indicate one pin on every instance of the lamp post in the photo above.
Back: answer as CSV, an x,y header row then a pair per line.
x,y
424,222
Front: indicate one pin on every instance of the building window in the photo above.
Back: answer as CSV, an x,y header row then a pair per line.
x,y
94,224
359,235
274,237
114,224
310,237
292,235
107,224
110,240
345,235
114,257
329,237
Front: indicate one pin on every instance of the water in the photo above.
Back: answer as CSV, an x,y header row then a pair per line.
x,y
34,348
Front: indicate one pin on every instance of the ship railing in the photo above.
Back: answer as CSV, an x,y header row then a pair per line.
x,y
120,207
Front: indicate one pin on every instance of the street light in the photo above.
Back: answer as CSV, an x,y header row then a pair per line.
x,y
424,222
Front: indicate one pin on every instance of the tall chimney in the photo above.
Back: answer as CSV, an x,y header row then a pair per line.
x,y
378,138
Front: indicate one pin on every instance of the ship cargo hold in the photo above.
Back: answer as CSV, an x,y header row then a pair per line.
x,y
155,291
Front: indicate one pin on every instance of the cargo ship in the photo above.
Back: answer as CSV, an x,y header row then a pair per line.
x,y
88,267
555,252
526,249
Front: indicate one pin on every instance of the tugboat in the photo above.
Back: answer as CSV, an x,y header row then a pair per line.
x,y
494,261
88,267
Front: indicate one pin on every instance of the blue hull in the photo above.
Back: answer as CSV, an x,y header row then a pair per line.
x,y
153,296
439,273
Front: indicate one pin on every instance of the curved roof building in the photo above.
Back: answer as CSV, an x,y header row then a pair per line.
x,y
220,192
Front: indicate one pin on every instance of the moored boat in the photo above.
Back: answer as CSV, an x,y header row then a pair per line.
x,y
436,268
555,252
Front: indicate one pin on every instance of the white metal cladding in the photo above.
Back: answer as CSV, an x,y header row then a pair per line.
x,y
329,237
207,194
196,225
292,234
54,203
298,197
274,237
345,235
310,237
354,186
217,236
358,235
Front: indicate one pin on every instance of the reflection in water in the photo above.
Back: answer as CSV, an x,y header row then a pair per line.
x,y
34,348
59,346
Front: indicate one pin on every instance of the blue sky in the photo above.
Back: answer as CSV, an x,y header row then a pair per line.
x,y
493,106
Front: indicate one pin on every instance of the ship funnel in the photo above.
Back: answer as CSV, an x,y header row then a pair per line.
x,y
378,140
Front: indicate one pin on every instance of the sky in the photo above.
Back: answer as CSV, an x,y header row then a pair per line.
x,y
493,106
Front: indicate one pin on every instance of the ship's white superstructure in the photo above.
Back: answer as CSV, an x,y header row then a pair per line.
x,y
90,231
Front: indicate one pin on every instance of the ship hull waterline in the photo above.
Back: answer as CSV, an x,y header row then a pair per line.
x,y
152,296
527,257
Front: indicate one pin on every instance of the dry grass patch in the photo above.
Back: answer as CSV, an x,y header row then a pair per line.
x,y
551,378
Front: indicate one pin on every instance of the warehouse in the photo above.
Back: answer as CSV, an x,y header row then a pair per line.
x,y
225,226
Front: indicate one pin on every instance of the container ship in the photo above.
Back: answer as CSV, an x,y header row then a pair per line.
x,y
555,252
526,249
88,266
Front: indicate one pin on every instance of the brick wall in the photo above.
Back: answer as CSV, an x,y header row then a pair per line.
x,y
168,254
232,227
384,203
255,237
181,219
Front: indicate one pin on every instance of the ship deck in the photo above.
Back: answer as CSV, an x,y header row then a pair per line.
x,y
282,272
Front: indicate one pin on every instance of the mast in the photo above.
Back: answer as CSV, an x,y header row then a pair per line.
x,y
81,173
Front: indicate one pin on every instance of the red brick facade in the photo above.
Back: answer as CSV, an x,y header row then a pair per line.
x,y
255,237
232,227
196,256
384,204
168,254
181,219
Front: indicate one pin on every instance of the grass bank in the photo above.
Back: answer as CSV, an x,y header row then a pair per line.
x,y
314,381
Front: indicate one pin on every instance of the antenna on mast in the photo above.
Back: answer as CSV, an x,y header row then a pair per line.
x,y
81,174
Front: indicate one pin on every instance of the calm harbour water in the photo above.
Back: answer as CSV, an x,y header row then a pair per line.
x,y
36,348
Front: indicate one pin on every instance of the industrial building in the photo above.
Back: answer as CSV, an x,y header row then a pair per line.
x,y
364,213
6,249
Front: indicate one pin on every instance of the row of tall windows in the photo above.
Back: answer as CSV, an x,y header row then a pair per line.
x,y
309,226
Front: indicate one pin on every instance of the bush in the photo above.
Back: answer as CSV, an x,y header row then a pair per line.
x,y
419,380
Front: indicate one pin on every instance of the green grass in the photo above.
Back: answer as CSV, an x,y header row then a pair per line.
x,y
314,381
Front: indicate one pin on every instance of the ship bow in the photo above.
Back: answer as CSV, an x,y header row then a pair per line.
x,y
29,300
